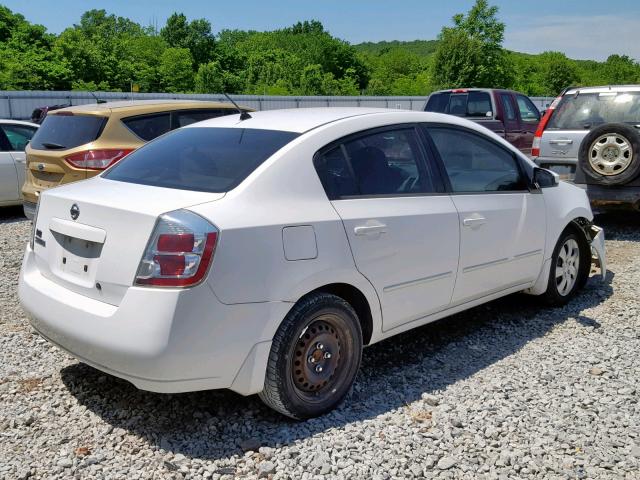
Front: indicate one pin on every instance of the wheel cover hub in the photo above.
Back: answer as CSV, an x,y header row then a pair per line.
x,y
610,154
567,267
317,356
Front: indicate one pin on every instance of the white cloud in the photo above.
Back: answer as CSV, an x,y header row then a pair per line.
x,y
580,37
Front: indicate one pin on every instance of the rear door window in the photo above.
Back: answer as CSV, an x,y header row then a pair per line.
x,y
148,127
588,110
18,136
509,111
61,132
386,163
199,158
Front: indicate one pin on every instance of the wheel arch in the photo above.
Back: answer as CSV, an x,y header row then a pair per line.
x,y
357,300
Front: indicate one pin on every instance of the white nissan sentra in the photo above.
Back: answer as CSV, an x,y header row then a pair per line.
x,y
261,255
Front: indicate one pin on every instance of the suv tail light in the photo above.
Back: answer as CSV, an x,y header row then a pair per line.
x,y
97,159
537,138
179,252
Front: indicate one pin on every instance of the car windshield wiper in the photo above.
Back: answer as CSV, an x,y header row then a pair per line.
x,y
52,145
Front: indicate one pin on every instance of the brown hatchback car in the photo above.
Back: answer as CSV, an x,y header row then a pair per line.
x,y
79,142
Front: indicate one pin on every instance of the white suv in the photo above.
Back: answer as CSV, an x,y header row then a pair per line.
x,y
261,255
591,136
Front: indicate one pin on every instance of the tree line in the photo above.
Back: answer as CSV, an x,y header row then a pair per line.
x,y
105,52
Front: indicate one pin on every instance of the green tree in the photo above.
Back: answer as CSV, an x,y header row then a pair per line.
x,y
556,73
621,70
210,78
195,36
176,70
470,53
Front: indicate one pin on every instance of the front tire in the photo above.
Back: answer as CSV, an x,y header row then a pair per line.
x,y
314,358
570,266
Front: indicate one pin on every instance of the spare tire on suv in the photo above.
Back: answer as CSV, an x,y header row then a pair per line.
x,y
610,154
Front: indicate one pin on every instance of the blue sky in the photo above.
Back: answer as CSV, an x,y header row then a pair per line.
x,y
586,29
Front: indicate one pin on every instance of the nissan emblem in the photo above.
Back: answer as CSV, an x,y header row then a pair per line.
x,y
75,211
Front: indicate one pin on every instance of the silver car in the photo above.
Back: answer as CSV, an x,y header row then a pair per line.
x,y
14,136
591,136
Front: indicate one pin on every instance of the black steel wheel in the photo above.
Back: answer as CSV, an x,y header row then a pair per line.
x,y
314,358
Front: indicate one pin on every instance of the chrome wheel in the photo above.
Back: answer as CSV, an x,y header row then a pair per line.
x,y
610,154
567,267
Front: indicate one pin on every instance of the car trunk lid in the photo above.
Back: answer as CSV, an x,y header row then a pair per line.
x,y
90,236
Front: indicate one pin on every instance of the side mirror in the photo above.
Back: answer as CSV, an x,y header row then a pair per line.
x,y
544,178
489,114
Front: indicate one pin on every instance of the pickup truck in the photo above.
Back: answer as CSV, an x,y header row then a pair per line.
x,y
510,114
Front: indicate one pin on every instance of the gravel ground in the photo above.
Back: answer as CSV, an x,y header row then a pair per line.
x,y
506,390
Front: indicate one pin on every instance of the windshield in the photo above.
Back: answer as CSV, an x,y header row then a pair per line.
x,y
201,159
61,132
588,110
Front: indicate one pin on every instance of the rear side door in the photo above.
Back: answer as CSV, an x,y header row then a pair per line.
x,y
9,191
512,130
529,117
401,225
502,222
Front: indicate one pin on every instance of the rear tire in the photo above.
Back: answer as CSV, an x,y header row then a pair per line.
x,y
314,358
570,266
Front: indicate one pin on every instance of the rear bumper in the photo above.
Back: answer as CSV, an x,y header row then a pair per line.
x,y
29,210
605,196
161,340
598,251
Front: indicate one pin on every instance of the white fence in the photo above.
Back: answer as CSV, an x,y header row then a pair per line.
x,y
20,104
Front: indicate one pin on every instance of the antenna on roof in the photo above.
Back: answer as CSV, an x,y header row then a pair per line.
x,y
98,100
244,115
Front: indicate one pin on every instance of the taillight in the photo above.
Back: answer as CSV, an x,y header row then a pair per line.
x,y
97,159
179,252
537,138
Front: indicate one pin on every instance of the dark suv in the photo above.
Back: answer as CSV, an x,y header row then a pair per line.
x,y
591,136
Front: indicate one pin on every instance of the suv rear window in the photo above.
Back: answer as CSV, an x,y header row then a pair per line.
x,y
200,159
587,110
471,104
61,132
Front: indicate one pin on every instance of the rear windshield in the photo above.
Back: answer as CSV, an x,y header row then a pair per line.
x,y
201,159
61,132
471,104
587,110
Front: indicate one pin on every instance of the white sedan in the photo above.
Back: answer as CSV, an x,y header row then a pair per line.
x,y
262,254
14,136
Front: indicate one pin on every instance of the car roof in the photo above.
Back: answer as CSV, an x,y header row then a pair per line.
x,y
18,122
297,120
142,106
603,89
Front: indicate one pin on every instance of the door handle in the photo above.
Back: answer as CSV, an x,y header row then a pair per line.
x,y
474,221
370,230
565,141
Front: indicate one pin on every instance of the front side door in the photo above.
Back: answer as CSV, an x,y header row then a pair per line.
x,y
502,223
401,226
